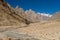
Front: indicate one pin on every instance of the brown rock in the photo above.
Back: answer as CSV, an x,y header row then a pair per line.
x,y
56,16
8,15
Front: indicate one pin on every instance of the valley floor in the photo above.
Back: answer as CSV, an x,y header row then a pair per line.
x,y
44,31
41,31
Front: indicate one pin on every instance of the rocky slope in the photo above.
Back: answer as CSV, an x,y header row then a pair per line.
x,y
8,15
56,16
11,20
14,35
13,24
43,31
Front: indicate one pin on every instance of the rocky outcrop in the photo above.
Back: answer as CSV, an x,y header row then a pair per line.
x,y
31,15
14,35
9,17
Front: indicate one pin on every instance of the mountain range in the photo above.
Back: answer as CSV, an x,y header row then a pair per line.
x,y
32,16
17,24
11,16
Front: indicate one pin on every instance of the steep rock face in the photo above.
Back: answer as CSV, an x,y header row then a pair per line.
x,y
20,11
56,16
31,15
8,15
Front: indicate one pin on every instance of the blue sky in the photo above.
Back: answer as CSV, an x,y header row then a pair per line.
x,y
42,6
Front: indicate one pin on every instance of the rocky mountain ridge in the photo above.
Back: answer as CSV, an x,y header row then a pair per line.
x,y
32,16
14,24
8,15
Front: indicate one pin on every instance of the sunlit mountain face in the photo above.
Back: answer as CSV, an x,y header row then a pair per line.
x,y
42,6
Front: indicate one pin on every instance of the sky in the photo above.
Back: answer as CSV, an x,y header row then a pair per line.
x,y
42,6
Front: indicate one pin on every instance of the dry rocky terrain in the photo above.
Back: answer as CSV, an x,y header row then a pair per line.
x,y
15,24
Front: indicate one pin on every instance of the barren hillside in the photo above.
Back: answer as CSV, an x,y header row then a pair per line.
x,y
14,24
43,31
56,16
8,15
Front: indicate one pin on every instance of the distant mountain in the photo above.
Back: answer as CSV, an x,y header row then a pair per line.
x,y
32,16
56,16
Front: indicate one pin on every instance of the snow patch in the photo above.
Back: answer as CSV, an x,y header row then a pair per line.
x,y
44,14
